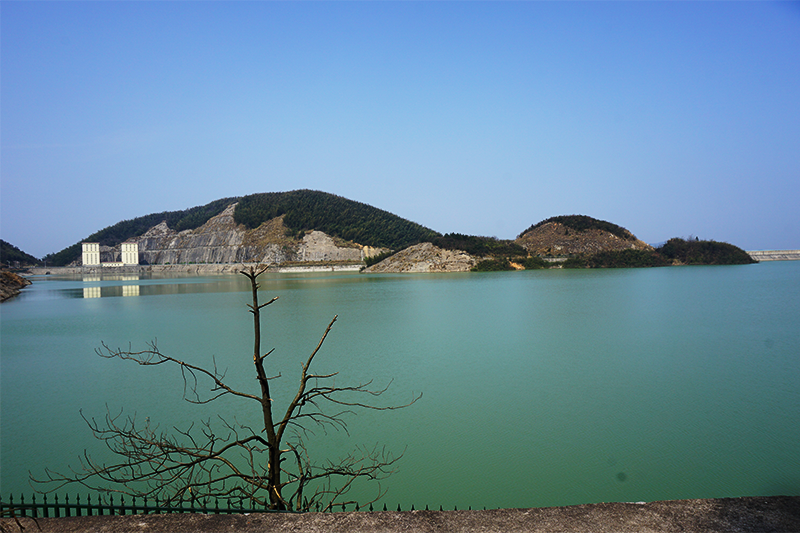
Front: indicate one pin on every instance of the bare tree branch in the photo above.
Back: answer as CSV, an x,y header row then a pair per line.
x,y
226,459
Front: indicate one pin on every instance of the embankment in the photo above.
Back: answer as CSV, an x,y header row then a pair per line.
x,y
775,513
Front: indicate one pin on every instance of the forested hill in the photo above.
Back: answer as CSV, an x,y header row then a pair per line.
x,y
303,210
11,254
336,216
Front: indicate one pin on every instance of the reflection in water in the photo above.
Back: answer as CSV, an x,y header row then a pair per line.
x,y
130,290
92,292
114,290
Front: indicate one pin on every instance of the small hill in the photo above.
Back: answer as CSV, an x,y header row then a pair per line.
x,y
577,234
697,252
425,257
11,254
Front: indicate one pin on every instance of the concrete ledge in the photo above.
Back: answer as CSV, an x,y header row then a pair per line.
x,y
779,514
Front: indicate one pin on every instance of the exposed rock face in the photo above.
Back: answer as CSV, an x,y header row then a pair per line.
x,y
11,284
318,246
425,257
555,239
221,240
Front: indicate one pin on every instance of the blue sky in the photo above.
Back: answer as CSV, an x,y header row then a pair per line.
x,y
671,119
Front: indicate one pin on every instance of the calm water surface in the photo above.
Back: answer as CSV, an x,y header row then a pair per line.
x,y
540,388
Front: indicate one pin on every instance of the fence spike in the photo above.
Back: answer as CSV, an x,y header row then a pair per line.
x,y
398,507
440,508
356,506
384,507
344,508
412,507
370,508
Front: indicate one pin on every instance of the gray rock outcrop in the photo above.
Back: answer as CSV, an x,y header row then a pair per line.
x,y
426,257
221,240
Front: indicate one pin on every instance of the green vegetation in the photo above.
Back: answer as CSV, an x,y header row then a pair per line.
x,y
583,223
479,246
493,265
10,253
500,264
120,232
618,259
533,263
375,259
699,252
674,251
336,216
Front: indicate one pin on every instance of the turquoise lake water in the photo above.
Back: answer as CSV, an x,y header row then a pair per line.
x,y
539,388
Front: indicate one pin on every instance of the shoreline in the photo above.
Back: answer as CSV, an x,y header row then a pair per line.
x,y
209,268
234,268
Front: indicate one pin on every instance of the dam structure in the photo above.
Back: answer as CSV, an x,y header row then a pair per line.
x,y
775,255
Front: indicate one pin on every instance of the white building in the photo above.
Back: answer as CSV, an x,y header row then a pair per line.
x,y
130,253
91,253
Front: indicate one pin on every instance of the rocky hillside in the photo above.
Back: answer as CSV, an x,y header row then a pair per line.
x,y
11,284
577,234
426,257
300,212
222,240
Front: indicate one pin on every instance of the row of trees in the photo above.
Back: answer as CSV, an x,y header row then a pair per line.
x,y
479,246
504,263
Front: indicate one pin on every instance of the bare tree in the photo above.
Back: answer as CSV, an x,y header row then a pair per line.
x,y
267,465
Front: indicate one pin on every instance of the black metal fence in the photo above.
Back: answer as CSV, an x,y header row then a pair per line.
x,y
53,507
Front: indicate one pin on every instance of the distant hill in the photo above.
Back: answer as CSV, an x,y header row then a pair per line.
x,y
577,234
697,252
300,211
10,253
581,223
292,226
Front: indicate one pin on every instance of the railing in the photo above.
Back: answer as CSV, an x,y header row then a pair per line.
x,y
55,508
